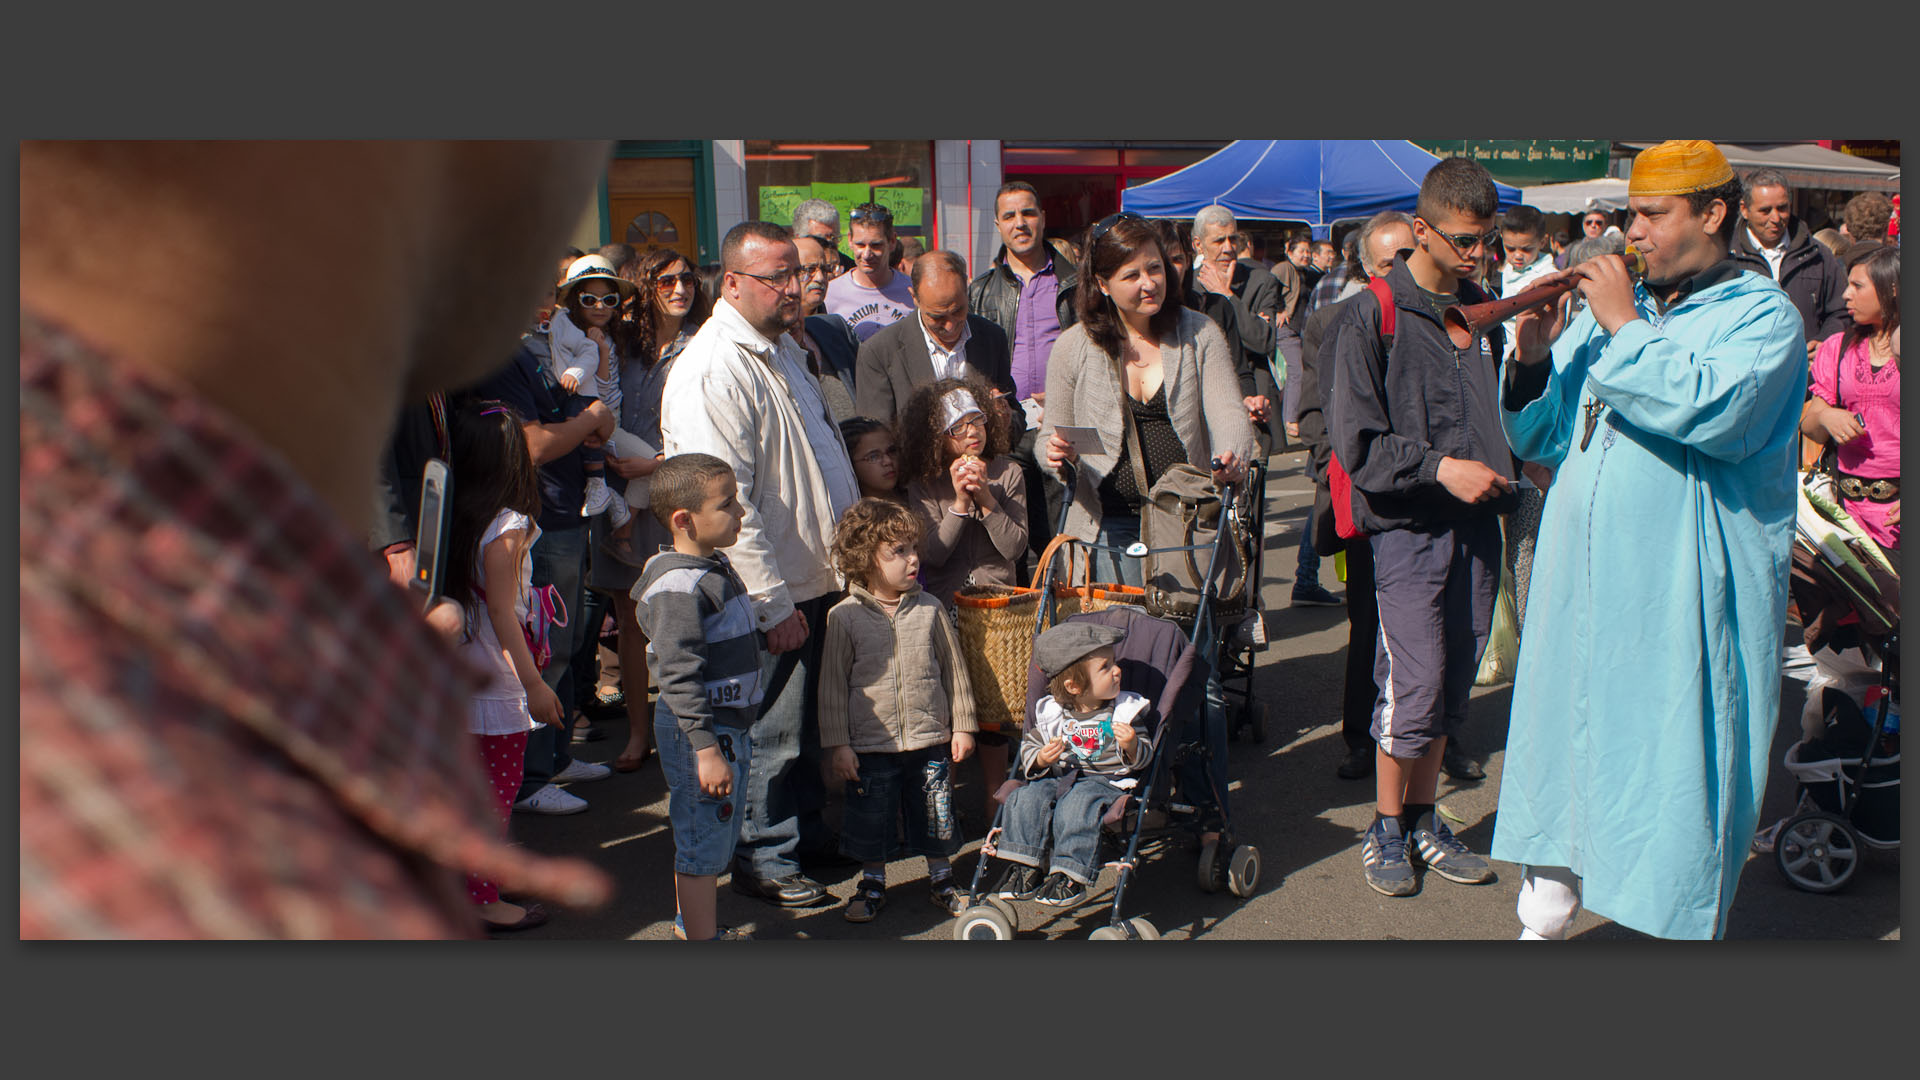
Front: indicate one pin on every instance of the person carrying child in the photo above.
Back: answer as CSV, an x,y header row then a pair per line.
x,y
1080,746
708,659
496,495
582,357
896,707
876,458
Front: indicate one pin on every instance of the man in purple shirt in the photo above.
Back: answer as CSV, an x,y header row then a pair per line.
x,y
1029,294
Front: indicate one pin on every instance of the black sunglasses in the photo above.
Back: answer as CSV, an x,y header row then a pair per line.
x,y
1466,241
1106,224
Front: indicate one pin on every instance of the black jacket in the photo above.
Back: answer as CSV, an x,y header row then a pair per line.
x,y
1224,313
1391,418
995,295
1815,281
893,363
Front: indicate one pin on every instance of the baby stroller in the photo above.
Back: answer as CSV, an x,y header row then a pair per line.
x,y
1848,595
1181,787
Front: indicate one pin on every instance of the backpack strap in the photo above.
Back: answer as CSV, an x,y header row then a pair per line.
x,y
1383,292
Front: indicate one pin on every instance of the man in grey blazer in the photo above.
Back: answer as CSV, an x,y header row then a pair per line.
x,y
943,340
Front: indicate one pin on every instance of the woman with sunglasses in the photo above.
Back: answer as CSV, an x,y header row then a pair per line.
x,y
1141,370
671,304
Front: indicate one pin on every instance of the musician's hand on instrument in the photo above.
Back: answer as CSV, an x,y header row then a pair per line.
x,y
1536,329
1609,291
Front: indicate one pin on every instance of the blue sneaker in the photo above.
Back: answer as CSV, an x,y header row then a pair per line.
x,y
1384,855
1435,845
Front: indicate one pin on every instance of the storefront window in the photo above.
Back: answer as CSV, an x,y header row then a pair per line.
x,y
897,174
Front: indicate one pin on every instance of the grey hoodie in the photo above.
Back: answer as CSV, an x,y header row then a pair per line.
x,y
701,642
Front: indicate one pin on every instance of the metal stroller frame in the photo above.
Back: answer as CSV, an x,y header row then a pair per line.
x,y
1817,849
1238,869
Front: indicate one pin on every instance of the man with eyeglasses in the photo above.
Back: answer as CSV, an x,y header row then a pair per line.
x,y
1028,294
820,219
830,343
1593,223
741,391
943,340
871,295
1415,422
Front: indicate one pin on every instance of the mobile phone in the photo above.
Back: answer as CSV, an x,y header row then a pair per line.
x,y
429,542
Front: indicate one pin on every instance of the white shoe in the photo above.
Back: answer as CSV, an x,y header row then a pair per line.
x,y
581,770
598,496
551,800
617,512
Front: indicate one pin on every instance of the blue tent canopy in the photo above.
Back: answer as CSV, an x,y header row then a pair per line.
x,y
1315,181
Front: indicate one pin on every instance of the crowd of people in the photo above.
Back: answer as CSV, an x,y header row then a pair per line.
x,y
774,476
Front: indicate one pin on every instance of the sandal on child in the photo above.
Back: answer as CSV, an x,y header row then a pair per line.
x,y
948,898
868,898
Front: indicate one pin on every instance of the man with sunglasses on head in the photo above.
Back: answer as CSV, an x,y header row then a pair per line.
x,y
871,295
820,219
741,391
1415,422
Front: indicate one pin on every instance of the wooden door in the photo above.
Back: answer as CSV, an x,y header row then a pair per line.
x,y
656,220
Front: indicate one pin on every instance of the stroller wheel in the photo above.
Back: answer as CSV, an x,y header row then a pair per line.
x,y
983,922
1142,929
1212,872
1817,852
1243,870
1107,933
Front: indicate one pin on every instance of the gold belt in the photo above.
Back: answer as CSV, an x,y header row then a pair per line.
x,y
1883,490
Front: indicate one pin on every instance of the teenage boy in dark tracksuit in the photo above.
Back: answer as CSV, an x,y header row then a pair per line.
x,y
1418,429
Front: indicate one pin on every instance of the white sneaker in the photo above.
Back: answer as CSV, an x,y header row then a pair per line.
x,y
598,496
581,770
551,800
617,512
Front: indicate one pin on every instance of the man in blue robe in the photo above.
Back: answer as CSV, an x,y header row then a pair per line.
x,y
1648,686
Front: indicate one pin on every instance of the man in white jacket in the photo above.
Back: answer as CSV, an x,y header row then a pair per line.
x,y
742,392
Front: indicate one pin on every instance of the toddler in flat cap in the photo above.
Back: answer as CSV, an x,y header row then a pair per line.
x,y
1078,749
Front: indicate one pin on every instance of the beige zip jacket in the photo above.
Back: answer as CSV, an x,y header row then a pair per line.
x,y
889,685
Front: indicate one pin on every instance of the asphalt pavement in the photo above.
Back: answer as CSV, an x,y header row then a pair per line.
x,y
1286,801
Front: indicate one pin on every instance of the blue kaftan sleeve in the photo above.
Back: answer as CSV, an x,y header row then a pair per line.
x,y
1721,396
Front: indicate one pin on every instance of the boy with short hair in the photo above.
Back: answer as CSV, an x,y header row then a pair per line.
x,y
708,658
1419,432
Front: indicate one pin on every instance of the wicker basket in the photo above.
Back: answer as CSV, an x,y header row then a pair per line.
x,y
1078,593
997,627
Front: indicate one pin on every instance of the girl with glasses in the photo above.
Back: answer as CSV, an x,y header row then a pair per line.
x,y
876,458
972,503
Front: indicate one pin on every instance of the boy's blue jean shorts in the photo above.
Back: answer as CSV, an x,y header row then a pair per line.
x,y
704,828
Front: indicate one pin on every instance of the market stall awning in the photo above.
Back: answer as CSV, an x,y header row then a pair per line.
x,y
1314,181
1606,193
1806,165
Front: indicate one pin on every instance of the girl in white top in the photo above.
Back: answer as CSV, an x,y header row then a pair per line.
x,y
496,495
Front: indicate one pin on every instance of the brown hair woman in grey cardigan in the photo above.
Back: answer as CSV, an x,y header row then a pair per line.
x,y
1137,359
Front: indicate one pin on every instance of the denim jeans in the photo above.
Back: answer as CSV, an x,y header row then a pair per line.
x,y
1036,809
586,643
916,784
1307,568
705,829
1117,530
560,560
785,793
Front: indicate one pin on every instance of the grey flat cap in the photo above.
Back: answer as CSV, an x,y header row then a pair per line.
x,y
1065,645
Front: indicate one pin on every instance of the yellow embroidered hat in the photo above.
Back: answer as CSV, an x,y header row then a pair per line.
x,y
1677,167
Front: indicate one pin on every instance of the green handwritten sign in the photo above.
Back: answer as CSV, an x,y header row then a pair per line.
x,y
1527,162
905,203
777,203
844,197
